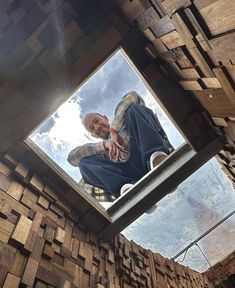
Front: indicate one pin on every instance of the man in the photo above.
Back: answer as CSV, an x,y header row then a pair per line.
x,y
131,145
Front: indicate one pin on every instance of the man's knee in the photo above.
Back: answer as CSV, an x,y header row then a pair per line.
x,y
133,108
83,164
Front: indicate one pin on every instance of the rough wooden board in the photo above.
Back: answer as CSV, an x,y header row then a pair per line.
x,y
5,182
200,4
30,242
158,44
185,62
64,205
149,34
231,71
152,51
68,233
231,129
48,251
43,202
30,272
219,16
58,211
29,203
196,25
21,231
37,183
172,6
211,82
223,45
80,279
172,40
215,102
220,121
75,248
181,27
152,73
13,218
190,73
190,85
31,194
22,170
15,190
11,281
6,229
15,205
69,267
37,221
7,256
204,43
48,276
201,62
59,235
226,84
147,18
37,249
53,216
5,209
49,234
11,160
132,9
50,191
64,283
4,169
116,20
162,26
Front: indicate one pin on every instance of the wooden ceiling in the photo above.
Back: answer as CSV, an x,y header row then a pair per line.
x,y
49,48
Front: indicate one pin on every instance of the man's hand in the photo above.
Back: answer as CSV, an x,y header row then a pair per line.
x,y
114,149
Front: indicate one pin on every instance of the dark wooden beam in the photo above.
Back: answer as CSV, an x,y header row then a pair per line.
x,y
157,184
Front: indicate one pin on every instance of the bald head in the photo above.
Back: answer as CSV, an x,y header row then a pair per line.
x,y
97,125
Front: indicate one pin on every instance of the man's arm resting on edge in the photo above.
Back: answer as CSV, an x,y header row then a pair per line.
x,y
85,150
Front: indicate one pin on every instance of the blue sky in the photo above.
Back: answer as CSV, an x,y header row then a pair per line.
x,y
199,202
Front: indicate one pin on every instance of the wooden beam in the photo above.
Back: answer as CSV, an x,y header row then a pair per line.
x,y
157,184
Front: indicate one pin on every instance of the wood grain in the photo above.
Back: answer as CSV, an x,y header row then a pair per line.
x,y
11,281
21,231
219,16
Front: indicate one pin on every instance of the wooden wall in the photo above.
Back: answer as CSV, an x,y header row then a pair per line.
x,y
43,244
50,47
194,42
223,273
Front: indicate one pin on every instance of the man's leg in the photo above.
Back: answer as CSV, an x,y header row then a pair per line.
x,y
106,174
145,137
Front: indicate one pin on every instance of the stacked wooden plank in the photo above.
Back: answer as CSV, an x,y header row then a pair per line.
x,y
226,157
43,245
194,41
221,272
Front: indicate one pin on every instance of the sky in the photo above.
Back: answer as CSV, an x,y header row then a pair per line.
x,y
199,202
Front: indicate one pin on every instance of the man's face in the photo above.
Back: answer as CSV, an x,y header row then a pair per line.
x,y
97,125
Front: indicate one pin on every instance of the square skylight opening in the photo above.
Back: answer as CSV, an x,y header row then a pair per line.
x,y
63,130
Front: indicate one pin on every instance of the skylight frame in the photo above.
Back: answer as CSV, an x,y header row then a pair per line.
x,y
68,179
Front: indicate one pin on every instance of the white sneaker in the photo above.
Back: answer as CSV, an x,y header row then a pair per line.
x,y
126,187
156,158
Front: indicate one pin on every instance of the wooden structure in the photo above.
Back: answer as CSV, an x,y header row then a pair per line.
x,y
44,243
223,273
184,50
